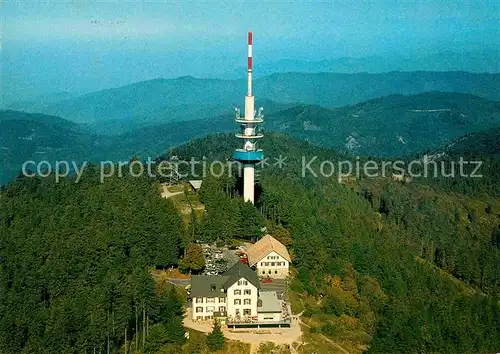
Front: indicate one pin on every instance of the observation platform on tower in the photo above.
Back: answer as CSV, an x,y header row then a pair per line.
x,y
248,156
255,120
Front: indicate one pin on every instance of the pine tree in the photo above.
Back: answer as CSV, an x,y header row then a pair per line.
x,y
215,339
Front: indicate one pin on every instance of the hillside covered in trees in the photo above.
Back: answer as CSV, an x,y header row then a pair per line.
x,y
74,264
391,266
383,265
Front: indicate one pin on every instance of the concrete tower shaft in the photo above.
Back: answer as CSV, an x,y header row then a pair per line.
x,y
249,155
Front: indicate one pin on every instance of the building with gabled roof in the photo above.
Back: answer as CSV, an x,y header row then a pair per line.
x,y
233,294
241,271
269,257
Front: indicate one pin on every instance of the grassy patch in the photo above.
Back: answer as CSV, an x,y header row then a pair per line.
x,y
296,302
196,344
313,342
464,288
187,202
176,188
271,348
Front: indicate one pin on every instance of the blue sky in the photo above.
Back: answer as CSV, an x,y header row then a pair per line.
x,y
57,45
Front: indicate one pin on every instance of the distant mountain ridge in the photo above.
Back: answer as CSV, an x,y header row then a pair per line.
x,y
484,61
155,100
37,137
483,143
392,126
395,125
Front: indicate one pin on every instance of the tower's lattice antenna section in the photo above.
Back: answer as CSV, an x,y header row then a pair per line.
x,y
173,176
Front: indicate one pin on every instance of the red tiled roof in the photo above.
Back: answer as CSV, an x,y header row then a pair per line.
x,y
263,247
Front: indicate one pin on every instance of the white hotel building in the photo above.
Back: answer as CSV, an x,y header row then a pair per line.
x,y
236,295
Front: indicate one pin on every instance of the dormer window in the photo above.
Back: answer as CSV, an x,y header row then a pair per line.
x,y
213,287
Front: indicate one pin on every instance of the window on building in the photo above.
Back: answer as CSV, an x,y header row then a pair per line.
x,y
210,300
199,300
222,299
199,309
237,301
247,292
222,308
210,308
268,317
272,264
269,272
237,292
213,287
275,272
263,272
242,282
247,302
247,312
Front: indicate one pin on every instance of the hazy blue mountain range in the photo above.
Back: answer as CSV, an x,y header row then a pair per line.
x,y
391,126
176,114
395,125
40,137
187,98
485,61
81,74
37,104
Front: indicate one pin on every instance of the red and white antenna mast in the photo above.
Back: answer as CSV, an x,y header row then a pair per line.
x,y
249,68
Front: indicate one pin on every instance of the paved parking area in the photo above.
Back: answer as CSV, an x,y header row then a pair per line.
x,y
215,262
278,285
231,258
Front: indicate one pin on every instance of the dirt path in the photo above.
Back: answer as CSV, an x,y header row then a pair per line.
x,y
336,345
166,193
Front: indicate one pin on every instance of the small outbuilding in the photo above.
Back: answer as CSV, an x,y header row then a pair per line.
x,y
269,307
196,184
